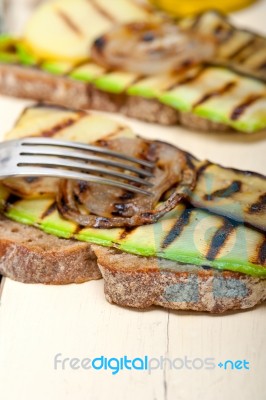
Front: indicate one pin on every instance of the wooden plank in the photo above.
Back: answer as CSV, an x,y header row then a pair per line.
x,y
235,336
39,322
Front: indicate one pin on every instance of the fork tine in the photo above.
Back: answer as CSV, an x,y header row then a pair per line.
x,y
82,146
77,154
58,173
57,162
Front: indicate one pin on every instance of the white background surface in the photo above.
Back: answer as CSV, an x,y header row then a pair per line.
x,y
37,322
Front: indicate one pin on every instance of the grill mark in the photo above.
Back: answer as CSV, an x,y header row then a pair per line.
x,y
78,229
100,43
69,22
127,195
177,228
125,233
244,57
116,132
136,80
234,187
186,80
106,142
83,186
197,21
63,203
11,200
51,132
186,64
189,160
226,88
262,66
234,67
102,11
219,239
218,28
262,253
221,30
259,206
203,167
49,210
241,108
77,199
256,48
61,125
241,48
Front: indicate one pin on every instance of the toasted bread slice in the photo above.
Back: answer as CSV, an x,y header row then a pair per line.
x,y
31,256
140,282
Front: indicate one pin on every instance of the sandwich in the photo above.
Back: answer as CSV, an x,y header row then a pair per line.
x,y
197,243
200,71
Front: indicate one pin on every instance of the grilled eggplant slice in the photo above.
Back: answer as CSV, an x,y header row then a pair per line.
x,y
240,195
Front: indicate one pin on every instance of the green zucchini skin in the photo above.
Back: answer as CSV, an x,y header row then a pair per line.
x,y
187,235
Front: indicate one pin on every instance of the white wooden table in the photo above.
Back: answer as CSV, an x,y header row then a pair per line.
x,y
37,322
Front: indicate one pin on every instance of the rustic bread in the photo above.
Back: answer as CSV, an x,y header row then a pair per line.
x,y
29,255
136,281
32,256
33,83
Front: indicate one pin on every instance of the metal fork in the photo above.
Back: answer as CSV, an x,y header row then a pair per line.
x,y
72,160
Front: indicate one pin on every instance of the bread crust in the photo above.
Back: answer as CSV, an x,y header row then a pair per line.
x,y
33,83
31,256
140,282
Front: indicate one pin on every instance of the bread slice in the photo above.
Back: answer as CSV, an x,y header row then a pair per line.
x,y
32,256
140,282
33,83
